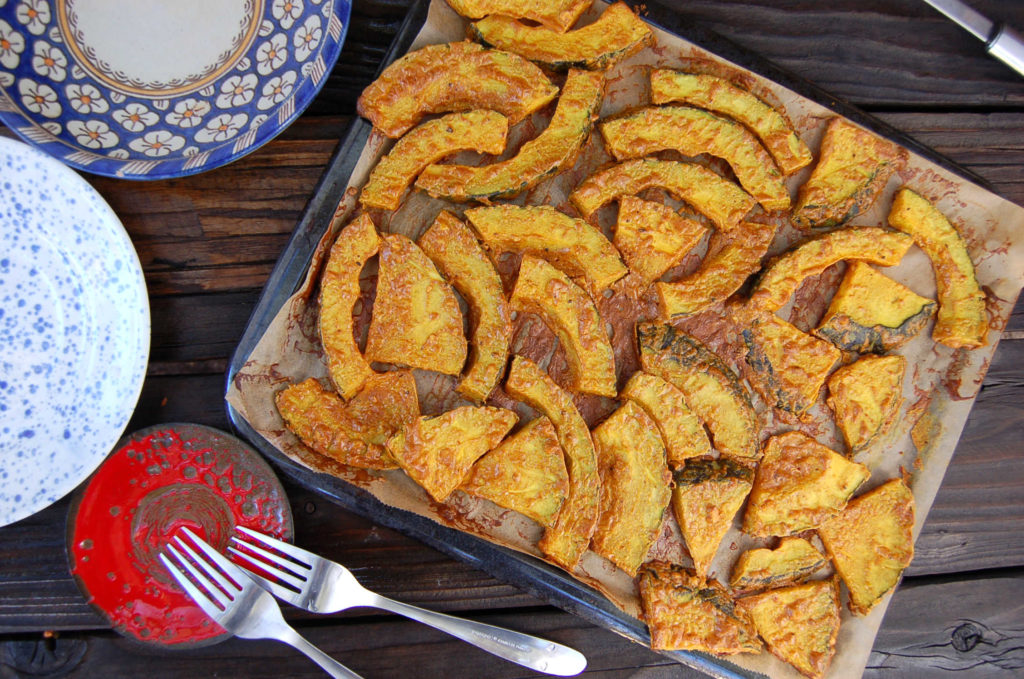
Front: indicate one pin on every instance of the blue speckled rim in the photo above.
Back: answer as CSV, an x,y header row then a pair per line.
x,y
115,134
76,332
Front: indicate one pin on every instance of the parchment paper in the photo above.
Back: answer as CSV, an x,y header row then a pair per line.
x,y
940,386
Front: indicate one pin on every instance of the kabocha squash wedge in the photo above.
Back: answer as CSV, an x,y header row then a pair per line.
x,y
463,262
853,167
416,319
864,243
568,537
634,486
718,199
872,313
685,612
653,237
691,132
352,433
568,310
557,15
573,245
724,97
789,366
480,131
706,497
615,35
525,473
711,388
339,290
866,397
732,258
799,624
457,76
438,452
962,320
682,432
553,150
793,560
799,485
871,542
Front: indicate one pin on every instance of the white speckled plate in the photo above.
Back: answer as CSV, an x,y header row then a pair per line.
x,y
74,330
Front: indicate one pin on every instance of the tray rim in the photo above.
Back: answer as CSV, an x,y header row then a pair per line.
x,y
536,577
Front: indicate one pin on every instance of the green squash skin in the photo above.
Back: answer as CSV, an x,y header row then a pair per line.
x,y
849,335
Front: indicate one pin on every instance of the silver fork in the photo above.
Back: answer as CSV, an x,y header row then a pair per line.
x,y
320,585
238,604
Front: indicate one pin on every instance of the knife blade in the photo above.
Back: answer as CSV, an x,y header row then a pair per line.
x,y
1001,41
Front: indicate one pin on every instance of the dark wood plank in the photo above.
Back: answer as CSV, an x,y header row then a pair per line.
x,y
933,628
872,53
953,628
382,647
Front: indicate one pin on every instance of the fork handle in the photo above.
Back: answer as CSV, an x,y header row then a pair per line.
x,y
326,662
537,654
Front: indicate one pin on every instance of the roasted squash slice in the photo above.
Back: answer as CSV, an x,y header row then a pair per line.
x,y
438,452
682,432
617,34
691,132
793,560
799,485
567,539
853,167
811,257
480,131
634,486
339,290
462,260
572,245
457,76
569,312
732,258
718,199
872,313
962,319
789,366
653,237
525,473
707,495
866,397
352,433
416,319
711,388
724,97
553,150
557,15
685,612
871,542
799,624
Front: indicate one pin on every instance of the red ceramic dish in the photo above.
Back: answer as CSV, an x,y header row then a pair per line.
x,y
155,482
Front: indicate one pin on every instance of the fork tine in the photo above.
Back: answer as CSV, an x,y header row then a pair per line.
x,y
277,589
297,570
302,556
284,575
212,596
231,588
227,568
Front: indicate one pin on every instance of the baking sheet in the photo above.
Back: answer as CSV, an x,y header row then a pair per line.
x,y
939,391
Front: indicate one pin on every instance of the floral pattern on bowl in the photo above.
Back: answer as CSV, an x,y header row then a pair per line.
x,y
72,82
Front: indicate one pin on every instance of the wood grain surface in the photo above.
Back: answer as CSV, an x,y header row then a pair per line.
x,y
208,242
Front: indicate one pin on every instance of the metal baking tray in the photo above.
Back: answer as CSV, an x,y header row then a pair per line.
x,y
539,579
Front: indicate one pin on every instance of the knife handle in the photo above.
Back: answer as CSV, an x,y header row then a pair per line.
x,y
1008,47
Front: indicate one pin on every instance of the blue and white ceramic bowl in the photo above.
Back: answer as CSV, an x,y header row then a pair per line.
x,y
149,89
74,328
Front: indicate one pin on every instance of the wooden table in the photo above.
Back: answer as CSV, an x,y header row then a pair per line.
x,y
207,244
